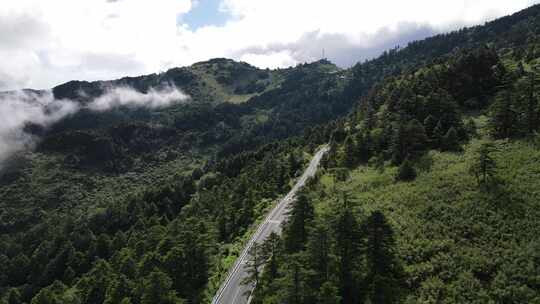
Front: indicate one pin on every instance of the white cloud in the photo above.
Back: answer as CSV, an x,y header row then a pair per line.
x,y
41,109
23,108
125,96
270,59
46,42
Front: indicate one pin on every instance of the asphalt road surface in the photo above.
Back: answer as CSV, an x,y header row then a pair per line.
x,y
232,291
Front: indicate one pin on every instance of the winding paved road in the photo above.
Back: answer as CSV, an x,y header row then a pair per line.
x,y
232,291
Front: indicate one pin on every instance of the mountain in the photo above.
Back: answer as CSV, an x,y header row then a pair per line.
x,y
428,192
214,81
154,144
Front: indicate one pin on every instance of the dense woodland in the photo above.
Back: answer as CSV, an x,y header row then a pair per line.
x,y
428,193
445,139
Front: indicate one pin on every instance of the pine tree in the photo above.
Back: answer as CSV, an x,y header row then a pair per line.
x,y
126,263
370,120
470,128
348,248
294,164
438,135
410,140
117,290
69,275
330,159
532,101
187,263
295,232
44,296
484,166
318,251
126,301
429,125
364,146
254,265
281,178
295,288
503,116
14,296
451,140
103,245
527,102
398,145
328,294
156,288
406,171
385,275
349,153
271,250
416,137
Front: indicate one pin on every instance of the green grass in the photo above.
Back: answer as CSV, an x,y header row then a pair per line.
x,y
456,242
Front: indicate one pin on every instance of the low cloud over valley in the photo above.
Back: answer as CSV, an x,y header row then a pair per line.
x,y
26,108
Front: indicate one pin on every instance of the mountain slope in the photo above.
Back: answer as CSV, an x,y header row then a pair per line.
x,y
429,191
122,205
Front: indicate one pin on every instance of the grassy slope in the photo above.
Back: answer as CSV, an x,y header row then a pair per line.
x,y
456,242
209,73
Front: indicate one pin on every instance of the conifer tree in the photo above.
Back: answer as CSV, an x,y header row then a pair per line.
x,y
484,166
532,101
328,294
503,116
526,99
271,250
349,153
416,137
294,164
429,124
126,301
295,289
438,135
347,252
14,296
157,289
398,145
254,265
117,290
470,127
364,146
451,141
406,171
318,251
295,232
385,275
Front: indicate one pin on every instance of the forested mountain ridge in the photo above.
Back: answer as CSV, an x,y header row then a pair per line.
x,y
429,193
161,222
116,170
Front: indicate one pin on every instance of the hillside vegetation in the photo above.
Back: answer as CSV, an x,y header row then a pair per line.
x,y
430,188
428,193
441,238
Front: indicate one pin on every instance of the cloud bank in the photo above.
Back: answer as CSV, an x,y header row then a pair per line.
x,y
23,108
47,42
126,96
39,108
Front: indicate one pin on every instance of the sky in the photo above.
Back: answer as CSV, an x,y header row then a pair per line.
x,y
47,42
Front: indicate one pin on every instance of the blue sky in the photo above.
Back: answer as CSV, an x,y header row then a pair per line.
x,y
204,13
48,42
